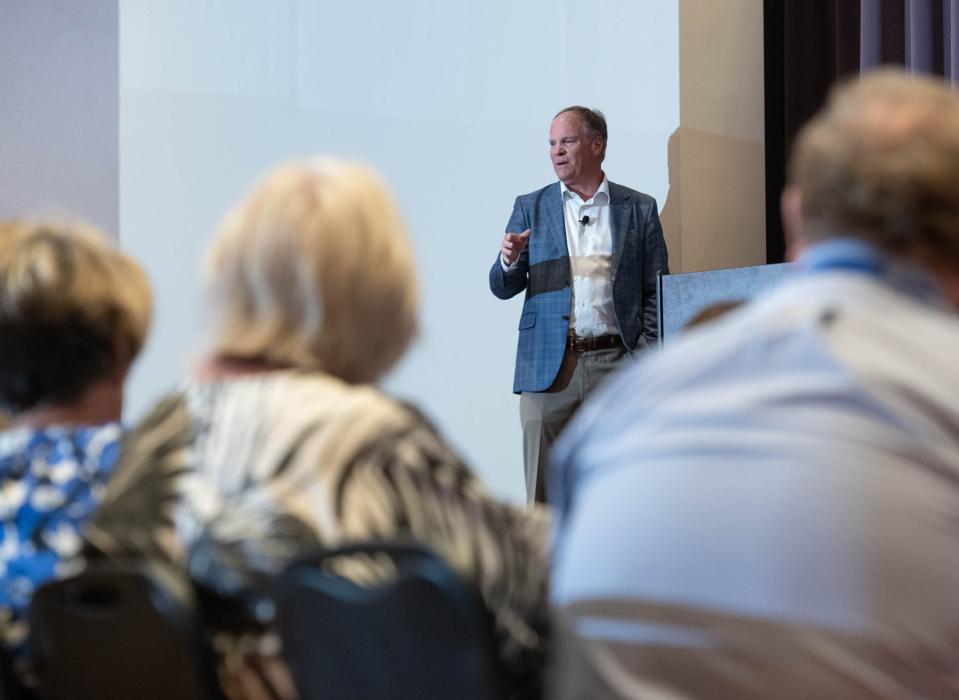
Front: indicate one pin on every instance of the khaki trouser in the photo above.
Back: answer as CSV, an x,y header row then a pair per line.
x,y
545,414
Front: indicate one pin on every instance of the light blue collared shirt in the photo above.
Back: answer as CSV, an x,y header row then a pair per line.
x,y
794,463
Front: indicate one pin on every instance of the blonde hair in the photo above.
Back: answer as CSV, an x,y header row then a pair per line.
x,y
313,269
73,309
881,162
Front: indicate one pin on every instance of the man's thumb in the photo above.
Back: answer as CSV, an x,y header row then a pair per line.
x,y
526,233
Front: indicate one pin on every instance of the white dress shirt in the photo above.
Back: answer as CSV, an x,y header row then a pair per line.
x,y
590,247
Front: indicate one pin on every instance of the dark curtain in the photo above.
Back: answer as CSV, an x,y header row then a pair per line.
x,y
809,44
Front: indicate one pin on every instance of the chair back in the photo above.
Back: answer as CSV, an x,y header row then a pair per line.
x,y
121,630
11,687
411,629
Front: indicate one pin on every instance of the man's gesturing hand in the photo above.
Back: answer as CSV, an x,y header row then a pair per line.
x,y
513,245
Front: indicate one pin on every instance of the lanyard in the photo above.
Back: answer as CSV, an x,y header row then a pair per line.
x,y
907,280
868,266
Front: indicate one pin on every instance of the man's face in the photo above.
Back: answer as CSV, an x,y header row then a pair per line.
x,y
577,159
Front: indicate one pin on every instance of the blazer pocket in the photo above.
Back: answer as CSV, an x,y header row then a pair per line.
x,y
527,320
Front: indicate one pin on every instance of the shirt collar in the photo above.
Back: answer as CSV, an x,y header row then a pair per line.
x,y
603,189
860,256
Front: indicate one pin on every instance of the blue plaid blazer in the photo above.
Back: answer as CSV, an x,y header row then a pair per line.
x,y
639,253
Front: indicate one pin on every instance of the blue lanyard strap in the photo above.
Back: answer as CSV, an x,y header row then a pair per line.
x,y
859,256
866,266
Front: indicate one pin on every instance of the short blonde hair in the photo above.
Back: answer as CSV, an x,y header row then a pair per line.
x,y
73,310
881,162
313,269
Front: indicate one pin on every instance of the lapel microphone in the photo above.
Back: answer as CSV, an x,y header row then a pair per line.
x,y
585,220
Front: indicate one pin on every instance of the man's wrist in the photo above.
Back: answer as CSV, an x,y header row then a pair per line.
x,y
507,266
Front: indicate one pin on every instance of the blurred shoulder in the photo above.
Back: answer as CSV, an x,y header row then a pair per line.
x,y
286,402
55,443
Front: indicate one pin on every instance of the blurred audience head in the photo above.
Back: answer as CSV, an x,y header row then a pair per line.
x,y
713,311
881,162
313,269
74,313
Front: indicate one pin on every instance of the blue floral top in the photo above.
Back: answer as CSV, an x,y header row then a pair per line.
x,y
50,482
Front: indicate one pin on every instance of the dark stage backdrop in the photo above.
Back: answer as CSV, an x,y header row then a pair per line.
x,y
808,44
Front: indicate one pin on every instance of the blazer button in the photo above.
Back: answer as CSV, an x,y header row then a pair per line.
x,y
565,317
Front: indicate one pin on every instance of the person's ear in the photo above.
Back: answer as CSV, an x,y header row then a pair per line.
x,y
597,146
790,207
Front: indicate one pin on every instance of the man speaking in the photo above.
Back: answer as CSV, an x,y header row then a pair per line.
x,y
587,252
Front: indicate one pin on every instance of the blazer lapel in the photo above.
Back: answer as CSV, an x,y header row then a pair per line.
x,y
620,209
555,221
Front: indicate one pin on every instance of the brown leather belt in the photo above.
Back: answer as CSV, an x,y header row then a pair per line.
x,y
598,342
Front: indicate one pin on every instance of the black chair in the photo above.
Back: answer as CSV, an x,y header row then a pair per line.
x,y
10,686
121,630
419,632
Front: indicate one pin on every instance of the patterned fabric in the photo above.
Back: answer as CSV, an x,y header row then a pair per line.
x,y
234,479
639,254
51,481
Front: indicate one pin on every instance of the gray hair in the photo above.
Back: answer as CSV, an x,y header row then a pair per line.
x,y
593,120
881,162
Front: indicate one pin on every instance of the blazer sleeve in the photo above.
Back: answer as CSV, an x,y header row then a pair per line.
x,y
655,261
506,284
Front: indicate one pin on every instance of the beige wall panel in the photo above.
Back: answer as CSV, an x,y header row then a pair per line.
x,y
716,157
721,67
723,201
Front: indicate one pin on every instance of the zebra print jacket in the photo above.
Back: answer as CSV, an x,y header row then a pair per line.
x,y
268,467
